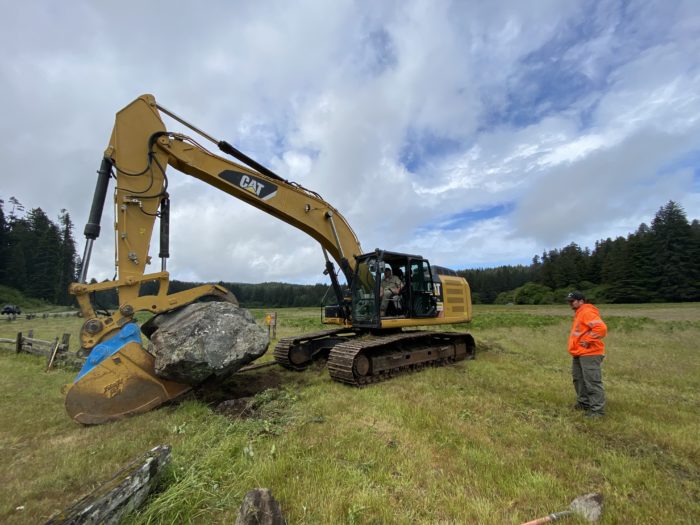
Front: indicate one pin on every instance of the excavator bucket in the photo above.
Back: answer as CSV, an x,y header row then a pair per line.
x,y
118,380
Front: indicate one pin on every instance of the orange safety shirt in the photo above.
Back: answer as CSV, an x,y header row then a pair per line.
x,y
587,328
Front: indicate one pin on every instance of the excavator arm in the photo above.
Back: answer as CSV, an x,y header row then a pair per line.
x,y
118,379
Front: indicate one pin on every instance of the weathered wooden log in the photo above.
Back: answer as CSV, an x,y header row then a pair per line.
x,y
31,349
260,508
34,341
124,493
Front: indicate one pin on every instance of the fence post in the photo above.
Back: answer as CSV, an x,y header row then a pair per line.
x,y
65,341
18,347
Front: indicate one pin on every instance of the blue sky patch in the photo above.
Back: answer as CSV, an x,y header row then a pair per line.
x,y
467,217
421,146
690,160
572,66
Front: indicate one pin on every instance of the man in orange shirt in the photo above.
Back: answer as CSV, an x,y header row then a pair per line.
x,y
587,348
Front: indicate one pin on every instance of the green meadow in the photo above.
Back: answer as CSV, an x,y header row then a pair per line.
x,y
493,440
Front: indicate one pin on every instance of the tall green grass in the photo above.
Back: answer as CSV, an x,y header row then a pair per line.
x,y
486,441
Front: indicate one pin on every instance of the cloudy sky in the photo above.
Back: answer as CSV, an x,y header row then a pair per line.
x,y
473,133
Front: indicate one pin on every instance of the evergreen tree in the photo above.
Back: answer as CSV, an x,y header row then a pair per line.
x,y
695,256
614,270
18,239
570,267
67,272
548,272
17,207
4,244
672,238
595,266
43,262
17,268
635,284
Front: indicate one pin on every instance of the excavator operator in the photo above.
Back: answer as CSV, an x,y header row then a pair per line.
x,y
391,286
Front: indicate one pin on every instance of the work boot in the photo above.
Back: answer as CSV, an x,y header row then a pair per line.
x,y
579,406
591,414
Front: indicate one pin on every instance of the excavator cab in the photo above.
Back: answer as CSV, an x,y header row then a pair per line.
x,y
418,297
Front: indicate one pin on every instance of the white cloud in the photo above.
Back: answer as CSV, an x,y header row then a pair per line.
x,y
330,94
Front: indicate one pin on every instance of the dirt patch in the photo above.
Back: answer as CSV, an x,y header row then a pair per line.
x,y
249,384
244,384
236,408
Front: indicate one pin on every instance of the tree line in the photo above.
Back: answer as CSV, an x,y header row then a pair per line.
x,y
657,263
37,255
258,295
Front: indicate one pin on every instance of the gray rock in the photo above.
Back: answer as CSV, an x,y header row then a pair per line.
x,y
260,508
205,339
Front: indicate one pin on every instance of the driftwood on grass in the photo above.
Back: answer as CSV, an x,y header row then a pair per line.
x,y
124,493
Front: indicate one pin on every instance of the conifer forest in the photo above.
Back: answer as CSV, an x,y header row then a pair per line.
x,y
659,262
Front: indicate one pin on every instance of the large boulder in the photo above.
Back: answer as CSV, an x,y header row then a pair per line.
x,y
205,339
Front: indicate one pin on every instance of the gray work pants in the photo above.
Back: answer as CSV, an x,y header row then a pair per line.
x,y
588,382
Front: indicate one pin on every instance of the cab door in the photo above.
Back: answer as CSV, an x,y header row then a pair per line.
x,y
423,302
365,293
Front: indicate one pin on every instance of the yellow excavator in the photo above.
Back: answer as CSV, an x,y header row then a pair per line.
x,y
375,334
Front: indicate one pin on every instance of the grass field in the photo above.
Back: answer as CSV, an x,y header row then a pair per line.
x,y
486,441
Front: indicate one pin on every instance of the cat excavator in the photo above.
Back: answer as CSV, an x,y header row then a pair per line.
x,y
375,335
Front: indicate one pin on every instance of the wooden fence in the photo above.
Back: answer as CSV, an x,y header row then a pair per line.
x,y
52,350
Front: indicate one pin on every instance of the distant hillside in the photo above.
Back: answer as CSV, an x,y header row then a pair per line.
x,y
13,296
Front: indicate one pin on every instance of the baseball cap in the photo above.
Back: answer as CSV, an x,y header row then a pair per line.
x,y
575,296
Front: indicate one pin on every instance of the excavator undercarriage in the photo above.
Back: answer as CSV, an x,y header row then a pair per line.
x,y
359,360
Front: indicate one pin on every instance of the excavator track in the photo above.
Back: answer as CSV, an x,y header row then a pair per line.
x,y
296,353
364,361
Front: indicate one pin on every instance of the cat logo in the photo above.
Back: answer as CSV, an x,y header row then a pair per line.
x,y
262,189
